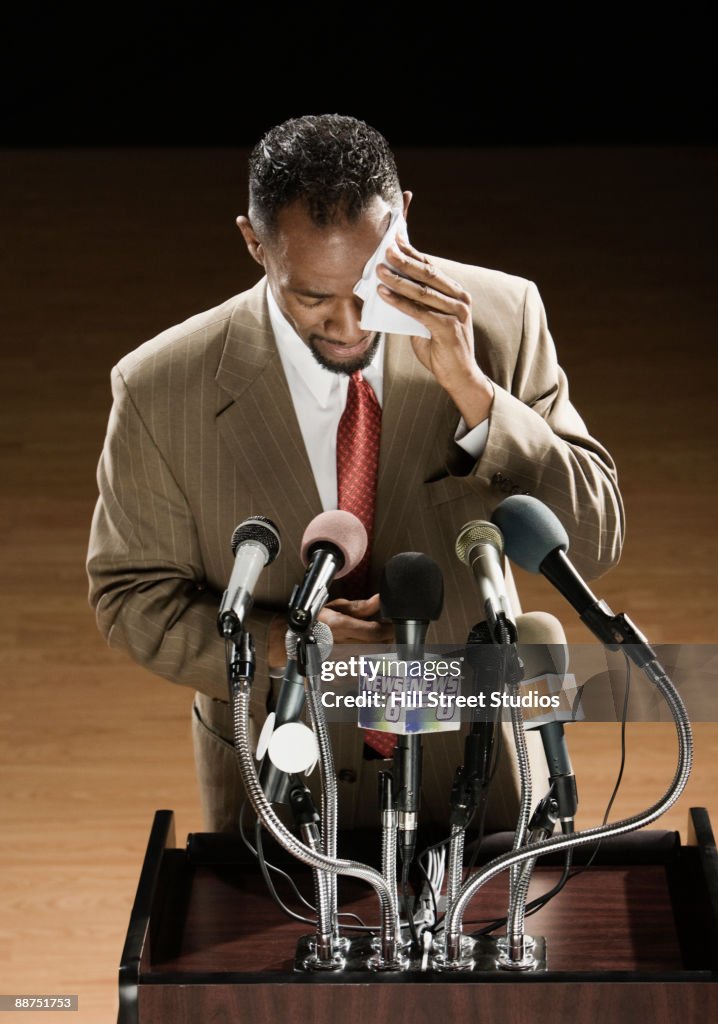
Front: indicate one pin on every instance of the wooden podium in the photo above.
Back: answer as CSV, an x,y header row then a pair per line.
x,y
633,938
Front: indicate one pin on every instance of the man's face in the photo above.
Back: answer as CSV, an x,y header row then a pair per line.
x,y
312,272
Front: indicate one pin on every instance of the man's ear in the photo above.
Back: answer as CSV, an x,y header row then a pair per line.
x,y
253,244
408,196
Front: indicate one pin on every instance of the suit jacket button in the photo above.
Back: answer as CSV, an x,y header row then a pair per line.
x,y
347,775
497,479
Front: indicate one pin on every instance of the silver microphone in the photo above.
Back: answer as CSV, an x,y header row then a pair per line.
x,y
255,544
480,545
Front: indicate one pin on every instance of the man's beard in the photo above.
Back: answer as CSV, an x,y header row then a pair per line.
x,y
360,363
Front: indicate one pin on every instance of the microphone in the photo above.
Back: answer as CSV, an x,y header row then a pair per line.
x,y
333,544
290,705
543,650
411,594
481,547
535,539
255,544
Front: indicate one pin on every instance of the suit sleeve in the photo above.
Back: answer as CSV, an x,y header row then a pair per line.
x,y
538,444
147,583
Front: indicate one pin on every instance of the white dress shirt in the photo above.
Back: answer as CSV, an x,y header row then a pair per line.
x,y
319,397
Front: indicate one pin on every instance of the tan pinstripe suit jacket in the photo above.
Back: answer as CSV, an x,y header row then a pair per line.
x,y
203,433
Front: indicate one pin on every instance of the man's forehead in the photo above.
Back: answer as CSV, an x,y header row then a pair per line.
x,y
317,260
295,227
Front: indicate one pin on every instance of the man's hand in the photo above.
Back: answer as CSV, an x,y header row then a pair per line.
x,y
443,306
351,622
354,622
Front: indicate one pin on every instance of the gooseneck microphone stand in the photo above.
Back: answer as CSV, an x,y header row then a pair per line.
x,y
329,945
470,787
508,671
480,546
456,957
240,678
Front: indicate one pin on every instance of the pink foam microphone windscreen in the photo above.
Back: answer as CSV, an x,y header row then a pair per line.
x,y
340,529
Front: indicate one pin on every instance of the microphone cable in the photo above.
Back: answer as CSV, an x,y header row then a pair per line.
x,y
265,867
480,809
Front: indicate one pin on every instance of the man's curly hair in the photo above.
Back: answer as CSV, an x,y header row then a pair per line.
x,y
333,163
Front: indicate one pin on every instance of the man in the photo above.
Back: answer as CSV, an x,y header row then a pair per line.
x,y
241,410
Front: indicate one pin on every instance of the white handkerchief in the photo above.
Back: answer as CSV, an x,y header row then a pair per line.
x,y
378,315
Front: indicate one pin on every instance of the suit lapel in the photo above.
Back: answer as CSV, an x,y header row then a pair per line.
x,y
258,424
257,421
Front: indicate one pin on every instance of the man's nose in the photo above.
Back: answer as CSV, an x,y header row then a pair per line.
x,y
343,322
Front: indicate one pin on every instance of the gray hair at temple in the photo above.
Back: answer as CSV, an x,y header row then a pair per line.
x,y
333,163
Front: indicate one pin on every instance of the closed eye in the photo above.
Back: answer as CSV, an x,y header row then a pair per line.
x,y
311,305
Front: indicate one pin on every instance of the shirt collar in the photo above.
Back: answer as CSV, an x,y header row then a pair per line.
x,y
294,352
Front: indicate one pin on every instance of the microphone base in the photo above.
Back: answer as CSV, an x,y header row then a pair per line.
x,y
522,958
313,959
489,954
460,958
362,954
358,954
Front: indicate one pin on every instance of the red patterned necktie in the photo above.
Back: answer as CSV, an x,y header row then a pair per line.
x,y
358,438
